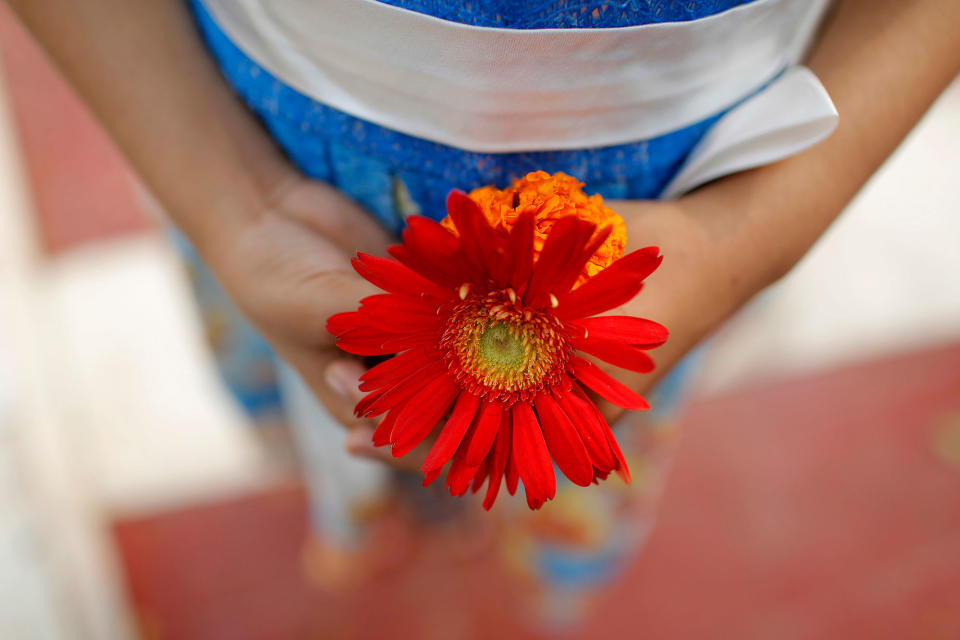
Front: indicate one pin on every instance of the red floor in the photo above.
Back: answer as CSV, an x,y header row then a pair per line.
x,y
826,507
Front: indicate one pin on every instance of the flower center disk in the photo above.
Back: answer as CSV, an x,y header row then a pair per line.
x,y
500,350
502,347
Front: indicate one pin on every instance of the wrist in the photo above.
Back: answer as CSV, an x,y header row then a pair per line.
x,y
703,278
735,216
228,210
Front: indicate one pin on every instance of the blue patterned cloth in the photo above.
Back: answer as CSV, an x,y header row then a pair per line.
x,y
566,14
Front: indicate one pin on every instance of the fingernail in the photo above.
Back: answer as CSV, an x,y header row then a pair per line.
x,y
344,378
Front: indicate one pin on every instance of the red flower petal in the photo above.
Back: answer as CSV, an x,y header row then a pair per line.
x,y
452,433
394,370
461,474
430,477
621,468
482,472
434,253
382,434
608,387
513,475
487,425
591,425
616,353
422,413
386,398
520,250
394,277
396,303
401,323
621,464
638,332
532,458
563,285
561,259
599,237
612,287
563,441
340,323
498,461
396,344
365,341
396,313
481,243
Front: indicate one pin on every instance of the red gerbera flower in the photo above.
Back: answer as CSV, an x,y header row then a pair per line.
x,y
484,338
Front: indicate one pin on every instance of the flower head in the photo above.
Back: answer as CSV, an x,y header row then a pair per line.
x,y
485,329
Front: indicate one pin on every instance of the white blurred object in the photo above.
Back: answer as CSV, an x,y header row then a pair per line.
x,y
36,571
340,485
108,402
147,411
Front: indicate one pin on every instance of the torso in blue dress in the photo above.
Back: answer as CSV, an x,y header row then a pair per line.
x,y
393,174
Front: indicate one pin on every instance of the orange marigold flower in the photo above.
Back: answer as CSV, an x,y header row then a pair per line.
x,y
549,198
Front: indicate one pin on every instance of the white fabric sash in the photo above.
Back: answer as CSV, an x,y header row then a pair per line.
x,y
506,90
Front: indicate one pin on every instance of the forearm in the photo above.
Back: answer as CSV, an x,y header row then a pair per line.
x,y
142,69
883,62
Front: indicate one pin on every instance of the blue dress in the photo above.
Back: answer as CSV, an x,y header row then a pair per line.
x,y
394,175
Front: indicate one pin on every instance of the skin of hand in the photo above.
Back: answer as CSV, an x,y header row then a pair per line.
x,y
288,270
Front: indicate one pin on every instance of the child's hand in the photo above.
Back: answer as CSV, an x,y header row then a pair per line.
x,y
289,270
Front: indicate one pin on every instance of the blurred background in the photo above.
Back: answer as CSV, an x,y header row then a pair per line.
x,y
816,492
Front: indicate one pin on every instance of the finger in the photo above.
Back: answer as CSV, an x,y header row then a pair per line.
x,y
343,377
338,398
360,443
335,381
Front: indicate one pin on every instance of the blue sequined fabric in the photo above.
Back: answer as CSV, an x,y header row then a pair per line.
x,y
566,14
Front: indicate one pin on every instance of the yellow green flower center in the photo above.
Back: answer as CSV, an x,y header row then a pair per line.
x,y
500,350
